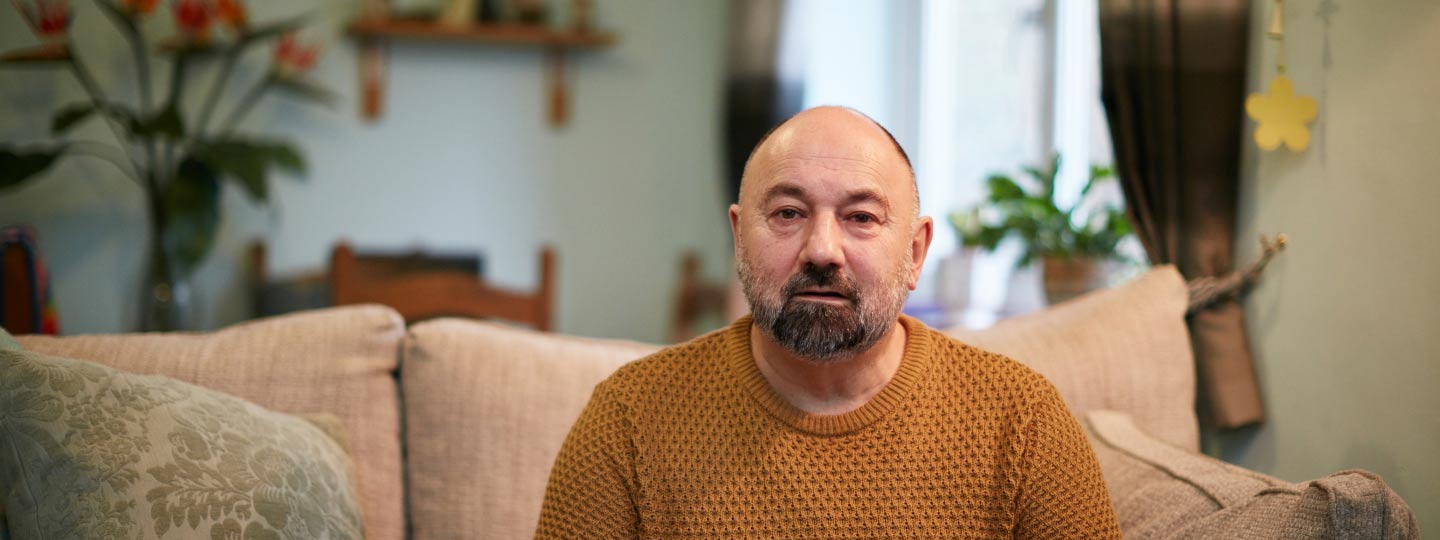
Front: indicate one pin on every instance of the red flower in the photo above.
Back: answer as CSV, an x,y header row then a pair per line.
x,y
193,18
291,57
231,12
143,7
49,19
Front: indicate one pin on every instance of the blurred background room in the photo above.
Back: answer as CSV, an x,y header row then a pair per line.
x,y
274,138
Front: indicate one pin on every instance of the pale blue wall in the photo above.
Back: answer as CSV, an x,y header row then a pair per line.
x,y
1343,325
462,159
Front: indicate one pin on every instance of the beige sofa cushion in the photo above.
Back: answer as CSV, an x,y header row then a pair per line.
x,y
88,451
1124,348
1160,491
486,409
339,361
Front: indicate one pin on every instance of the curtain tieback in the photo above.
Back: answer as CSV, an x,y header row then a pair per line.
x,y
1208,291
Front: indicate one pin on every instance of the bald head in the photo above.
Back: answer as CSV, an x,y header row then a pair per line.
x,y
825,125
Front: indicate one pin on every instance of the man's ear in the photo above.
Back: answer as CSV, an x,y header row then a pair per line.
x,y
920,247
735,228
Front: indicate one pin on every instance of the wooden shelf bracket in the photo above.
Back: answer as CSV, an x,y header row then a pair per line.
x,y
375,37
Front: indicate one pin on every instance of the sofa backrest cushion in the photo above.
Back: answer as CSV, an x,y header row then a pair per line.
x,y
88,451
1160,491
487,408
1125,348
340,361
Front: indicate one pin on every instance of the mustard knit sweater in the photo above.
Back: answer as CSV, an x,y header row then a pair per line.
x,y
692,442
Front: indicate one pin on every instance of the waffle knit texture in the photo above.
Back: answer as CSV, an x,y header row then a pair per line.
x,y
692,442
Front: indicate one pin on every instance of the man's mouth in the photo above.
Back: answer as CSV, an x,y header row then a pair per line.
x,y
821,295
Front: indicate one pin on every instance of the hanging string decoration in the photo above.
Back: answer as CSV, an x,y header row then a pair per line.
x,y
1281,117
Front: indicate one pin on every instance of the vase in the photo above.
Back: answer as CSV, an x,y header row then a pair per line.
x,y
164,293
955,282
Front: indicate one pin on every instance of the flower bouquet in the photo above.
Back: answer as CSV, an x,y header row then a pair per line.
x,y
178,158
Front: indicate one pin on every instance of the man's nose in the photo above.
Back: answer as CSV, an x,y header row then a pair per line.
x,y
823,243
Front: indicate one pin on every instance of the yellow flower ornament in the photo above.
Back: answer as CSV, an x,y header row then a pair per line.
x,y
1281,116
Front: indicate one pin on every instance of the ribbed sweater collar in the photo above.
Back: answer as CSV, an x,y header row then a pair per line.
x,y
752,382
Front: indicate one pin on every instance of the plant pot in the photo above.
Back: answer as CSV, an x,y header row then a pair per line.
x,y
1066,278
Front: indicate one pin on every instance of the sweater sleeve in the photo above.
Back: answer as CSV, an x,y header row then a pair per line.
x,y
1062,493
591,491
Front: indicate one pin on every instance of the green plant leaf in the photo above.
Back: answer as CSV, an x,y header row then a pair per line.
x,y
72,115
1040,208
192,210
1046,178
67,117
241,161
286,157
1098,175
304,89
1035,173
248,162
166,122
1026,258
1004,188
1118,223
990,237
125,115
1043,228
17,166
121,19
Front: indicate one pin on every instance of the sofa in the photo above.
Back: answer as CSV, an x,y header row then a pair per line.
x,y
451,425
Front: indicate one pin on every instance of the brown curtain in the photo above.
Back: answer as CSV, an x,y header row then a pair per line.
x,y
1173,84
757,94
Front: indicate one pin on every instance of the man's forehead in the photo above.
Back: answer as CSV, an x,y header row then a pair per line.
x,y
827,132
855,154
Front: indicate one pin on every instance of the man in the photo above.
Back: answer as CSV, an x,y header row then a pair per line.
x,y
826,414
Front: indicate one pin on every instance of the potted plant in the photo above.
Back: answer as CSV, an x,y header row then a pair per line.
x,y
177,158
1071,242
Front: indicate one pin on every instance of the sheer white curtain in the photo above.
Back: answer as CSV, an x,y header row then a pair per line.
x,y
986,96
855,53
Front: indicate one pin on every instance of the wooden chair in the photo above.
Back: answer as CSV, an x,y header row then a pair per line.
x,y
425,294
276,295
697,299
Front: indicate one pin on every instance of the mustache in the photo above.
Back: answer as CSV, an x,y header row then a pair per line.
x,y
828,277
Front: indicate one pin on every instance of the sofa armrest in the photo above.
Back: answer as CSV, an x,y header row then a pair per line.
x,y
1160,491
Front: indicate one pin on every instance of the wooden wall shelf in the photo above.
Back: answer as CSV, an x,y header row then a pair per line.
x,y
376,34
484,33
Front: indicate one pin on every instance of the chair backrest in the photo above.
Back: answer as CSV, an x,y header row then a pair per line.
x,y
295,291
426,294
700,304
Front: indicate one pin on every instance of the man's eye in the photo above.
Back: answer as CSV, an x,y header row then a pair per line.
x,y
863,218
787,213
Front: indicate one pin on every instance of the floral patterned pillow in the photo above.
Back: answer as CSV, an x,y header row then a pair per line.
x,y
7,343
87,451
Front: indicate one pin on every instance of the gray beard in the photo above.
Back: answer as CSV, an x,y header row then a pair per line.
x,y
822,332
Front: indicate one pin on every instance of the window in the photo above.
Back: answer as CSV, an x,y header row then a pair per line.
x,y
969,88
